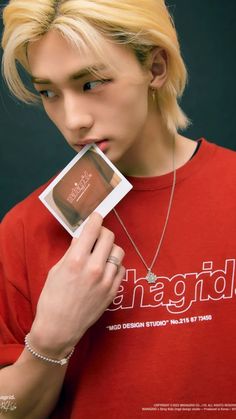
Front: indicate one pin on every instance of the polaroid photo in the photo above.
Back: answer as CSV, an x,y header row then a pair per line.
x,y
90,182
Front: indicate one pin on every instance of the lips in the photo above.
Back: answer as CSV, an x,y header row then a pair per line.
x,y
102,144
83,143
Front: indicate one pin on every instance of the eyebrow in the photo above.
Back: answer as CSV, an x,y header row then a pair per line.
x,y
75,76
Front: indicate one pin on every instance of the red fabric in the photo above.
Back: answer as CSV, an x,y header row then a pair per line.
x,y
171,345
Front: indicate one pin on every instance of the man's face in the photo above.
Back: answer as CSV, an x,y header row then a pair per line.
x,y
112,111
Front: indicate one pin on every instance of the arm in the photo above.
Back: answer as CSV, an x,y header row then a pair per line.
x,y
77,291
35,384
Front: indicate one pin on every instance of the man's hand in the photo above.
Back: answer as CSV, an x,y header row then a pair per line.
x,y
77,291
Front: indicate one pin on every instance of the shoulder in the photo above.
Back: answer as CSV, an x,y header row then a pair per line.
x,y
31,234
221,151
218,177
29,213
220,159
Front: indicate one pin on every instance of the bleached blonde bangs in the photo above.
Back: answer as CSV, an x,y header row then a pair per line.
x,y
139,24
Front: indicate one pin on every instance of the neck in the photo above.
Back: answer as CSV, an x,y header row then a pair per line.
x,y
152,153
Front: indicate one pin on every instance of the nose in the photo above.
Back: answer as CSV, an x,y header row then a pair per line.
x,y
77,113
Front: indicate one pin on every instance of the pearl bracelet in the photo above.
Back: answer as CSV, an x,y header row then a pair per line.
x,y
61,362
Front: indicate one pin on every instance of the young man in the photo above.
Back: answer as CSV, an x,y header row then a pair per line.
x,y
102,341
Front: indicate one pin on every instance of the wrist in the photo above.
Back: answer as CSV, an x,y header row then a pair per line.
x,y
46,358
48,345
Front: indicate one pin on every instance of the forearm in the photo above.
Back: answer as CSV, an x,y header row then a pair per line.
x,y
35,384
77,291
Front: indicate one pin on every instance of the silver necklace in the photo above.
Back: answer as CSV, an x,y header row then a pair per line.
x,y
151,277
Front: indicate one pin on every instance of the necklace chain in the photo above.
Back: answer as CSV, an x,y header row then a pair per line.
x,y
151,277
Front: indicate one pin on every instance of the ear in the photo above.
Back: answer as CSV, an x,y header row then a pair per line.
x,y
158,67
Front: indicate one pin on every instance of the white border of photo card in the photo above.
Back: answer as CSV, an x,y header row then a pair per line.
x,y
105,206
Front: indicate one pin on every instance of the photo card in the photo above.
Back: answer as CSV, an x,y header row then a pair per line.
x,y
90,182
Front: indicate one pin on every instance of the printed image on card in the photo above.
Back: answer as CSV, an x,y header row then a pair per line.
x,y
89,182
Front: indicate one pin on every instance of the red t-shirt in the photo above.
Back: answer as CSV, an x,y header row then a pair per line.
x,y
165,350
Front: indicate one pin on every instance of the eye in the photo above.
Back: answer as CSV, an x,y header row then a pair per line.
x,y
48,94
92,84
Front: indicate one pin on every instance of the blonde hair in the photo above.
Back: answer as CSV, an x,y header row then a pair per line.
x,y
139,24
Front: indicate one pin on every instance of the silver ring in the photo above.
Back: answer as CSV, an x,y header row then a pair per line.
x,y
114,260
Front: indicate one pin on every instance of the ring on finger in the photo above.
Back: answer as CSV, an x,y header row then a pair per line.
x,y
114,260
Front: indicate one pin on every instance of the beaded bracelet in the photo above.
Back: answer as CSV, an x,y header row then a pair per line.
x,y
62,361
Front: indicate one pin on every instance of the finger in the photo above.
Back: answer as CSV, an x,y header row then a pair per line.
x,y
103,247
117,281
111,269
88,237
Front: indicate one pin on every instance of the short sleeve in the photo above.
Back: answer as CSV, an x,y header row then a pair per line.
x,y
15,306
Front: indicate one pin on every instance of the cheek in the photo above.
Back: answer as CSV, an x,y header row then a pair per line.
x,y
135,110
48,110
129,104
55,115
